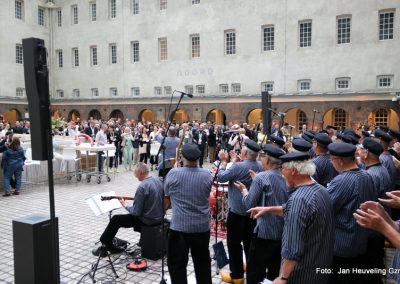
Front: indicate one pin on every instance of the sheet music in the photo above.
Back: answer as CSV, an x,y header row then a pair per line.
x,y
100,207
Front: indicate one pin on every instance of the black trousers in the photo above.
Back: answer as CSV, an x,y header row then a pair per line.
x,y
119,221
179,245
240,229
163,172
263,254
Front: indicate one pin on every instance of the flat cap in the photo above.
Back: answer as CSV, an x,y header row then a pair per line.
x,y
372,146
273,151
384,127
342,149
252,145
383,135
394,133
348,138
308,136
277,140
330,127
301,145
323,139
191,151
294,156
365,133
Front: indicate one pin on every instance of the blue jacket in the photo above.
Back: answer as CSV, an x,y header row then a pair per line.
x,y
13,158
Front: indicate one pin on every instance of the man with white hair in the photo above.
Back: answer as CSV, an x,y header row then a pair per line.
x,y
307,240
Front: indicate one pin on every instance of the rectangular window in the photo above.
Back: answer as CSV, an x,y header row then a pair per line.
x,y
236,88
195,2
343,29
304,85
113,9
162,49
386,25
75,57
60,93
113,92
305,32
40,16
135,51
135,7
268,38
224,88
74,12
19,9
385,81
195,43
167,90
189,89
267,86
60,58
20,92
19,54
76,93
200,89
230,42
163,4
93,56
157,91
95,92
59,18
135,91
93,11
113,53
342,83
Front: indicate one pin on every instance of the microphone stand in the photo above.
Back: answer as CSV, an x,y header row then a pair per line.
x,y
216,213
313,120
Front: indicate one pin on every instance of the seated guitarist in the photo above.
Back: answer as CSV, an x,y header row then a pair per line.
x,y
147,209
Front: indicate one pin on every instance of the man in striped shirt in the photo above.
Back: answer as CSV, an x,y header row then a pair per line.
x,y
188,190
325,171
307,240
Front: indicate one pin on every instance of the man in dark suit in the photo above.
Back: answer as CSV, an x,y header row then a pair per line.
x,y
91,130
202,143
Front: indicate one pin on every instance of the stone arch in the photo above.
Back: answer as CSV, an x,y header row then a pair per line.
x,y
12,116
217,116
179,116
74,115
116,113
95,114
296,117
384,116
337,117
146,115
254,116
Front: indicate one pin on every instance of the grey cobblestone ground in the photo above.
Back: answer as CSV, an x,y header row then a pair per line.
x,y
79,229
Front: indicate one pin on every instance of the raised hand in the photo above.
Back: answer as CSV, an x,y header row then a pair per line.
x,y
394,202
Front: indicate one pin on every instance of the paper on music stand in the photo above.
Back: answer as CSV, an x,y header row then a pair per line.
x,y
100,207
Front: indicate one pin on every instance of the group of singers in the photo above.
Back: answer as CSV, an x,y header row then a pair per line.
x,y
301,211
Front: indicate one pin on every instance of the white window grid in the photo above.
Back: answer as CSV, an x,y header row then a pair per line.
x,y
224,88
20,92
385,81
157,91
343,84
135,7
163,4
268,38
267,86
301,118
189,89
135,51
113,9
163,49
76,93
59,18
40,16
195,43
113,53
74,9
339,118
167,90
304,85
93,56
386,25
305,33
93,11
195,2
75,57
60,93
60,58
381,117
343,30
19,9
95,92
19,54
135,91
230,42
200,89
236,88
113,92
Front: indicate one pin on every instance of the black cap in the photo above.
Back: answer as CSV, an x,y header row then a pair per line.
x,y
372,146
348,138
330,127
273,151
191,151
349,131
252,145
323,139
294,156
308,136
365,133
384,127
383,135
277,140
394,133
323,131
9,133
301,145
342,149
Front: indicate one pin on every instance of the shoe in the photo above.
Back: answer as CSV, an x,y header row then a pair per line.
x,y
116,170
226,277
6,194
114,250
111,170
16,192
100,251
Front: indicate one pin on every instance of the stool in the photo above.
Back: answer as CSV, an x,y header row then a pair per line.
x,y
151,240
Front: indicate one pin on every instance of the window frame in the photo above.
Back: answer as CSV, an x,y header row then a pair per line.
x,y
230,40
162,49
94,56
135,7
19,14
391,25
266,83
305,37
195,46
75,57
93,11
59,18
304,81
113,9
343,29
113,92
19,54
382,77
133,91
265,46
74,15
60,58
337,83
76,93
94,92
135,52
113,53
222,88
41,17
163,5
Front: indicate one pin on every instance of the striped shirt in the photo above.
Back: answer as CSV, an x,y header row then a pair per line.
x,y
381,178
325,171
148,205
348,190
308,233
189,191
268,189
387,161
395,275
238,172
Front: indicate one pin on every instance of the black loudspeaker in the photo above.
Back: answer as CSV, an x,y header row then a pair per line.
x,y
37,91
34,250
266,108
151,241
